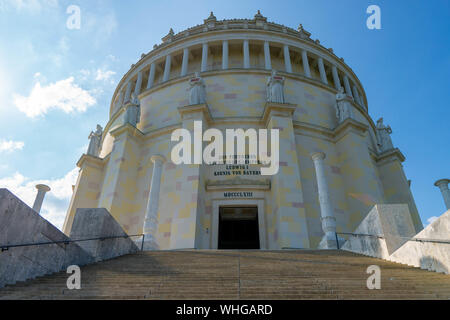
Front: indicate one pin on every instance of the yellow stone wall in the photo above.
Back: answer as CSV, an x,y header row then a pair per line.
x,y
236,99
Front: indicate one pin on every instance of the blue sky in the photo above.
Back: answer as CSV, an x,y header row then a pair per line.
x,y
56,84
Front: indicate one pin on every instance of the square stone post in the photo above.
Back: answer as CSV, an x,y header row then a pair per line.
x,y
87,189
395,185
119,187
288,209
186,228
363,188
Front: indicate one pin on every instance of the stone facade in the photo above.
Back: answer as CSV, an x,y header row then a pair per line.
x,y
234,59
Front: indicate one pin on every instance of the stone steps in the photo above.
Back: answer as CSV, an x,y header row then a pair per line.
x,y
234,274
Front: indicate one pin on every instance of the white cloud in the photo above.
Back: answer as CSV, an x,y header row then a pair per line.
x,y
32,6
431,219
56,201
64,95
10,145
104,75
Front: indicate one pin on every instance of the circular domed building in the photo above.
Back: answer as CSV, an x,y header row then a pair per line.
x,y
334,164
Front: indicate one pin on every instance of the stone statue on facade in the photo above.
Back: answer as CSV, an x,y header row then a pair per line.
x,y
197,92
95,141
343,106
384,136
133,111
275,88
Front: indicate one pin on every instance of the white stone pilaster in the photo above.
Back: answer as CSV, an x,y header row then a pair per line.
x,y
337,82
167,67
326,210
151,76
268,62
323,75
42,190
151,212
225,55
185,63
246,54
287,59
348,91
442,184
204,66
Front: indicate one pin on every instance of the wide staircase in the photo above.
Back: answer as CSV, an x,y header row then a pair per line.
x,y
237,274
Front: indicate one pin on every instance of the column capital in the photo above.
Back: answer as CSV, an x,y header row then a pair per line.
x,y
43,187
91,161
347,126
274,109
157,158
128,130
195,111
442,183
389,156
318,156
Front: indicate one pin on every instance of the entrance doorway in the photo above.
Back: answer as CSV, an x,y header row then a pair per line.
x,y
238,228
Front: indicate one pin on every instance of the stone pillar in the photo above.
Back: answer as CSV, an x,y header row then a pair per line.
x,y
337,82
348,91
246,55
323,75
268,62
119,101
204,66
356,95
185,63
225,55
395,185
42,190
167,67
326,210
151,213
306,64
89,182
442,184
358,171
122,173
289,213
151,76
128,92
287,59
137,88
186,226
